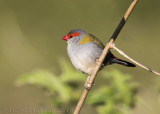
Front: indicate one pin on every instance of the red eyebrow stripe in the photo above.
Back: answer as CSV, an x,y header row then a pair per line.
x,y
73,34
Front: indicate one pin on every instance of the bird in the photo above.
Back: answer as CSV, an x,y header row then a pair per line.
x,y
84,49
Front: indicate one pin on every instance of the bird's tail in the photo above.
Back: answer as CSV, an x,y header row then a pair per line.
x,y
111,59
122,62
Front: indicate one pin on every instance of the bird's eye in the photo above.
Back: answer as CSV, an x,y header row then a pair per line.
x,y
71,36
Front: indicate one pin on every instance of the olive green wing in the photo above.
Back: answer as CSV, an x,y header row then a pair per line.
x,y
91,38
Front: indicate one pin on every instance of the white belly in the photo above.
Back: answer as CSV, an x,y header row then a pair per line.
x,y
83,65
84,57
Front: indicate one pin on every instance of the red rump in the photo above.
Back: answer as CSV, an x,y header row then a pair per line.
x,y
112,56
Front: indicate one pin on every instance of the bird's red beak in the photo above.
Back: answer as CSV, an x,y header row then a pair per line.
x,y
65,38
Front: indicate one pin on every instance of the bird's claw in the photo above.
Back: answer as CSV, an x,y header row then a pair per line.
x,y
98,62
88,85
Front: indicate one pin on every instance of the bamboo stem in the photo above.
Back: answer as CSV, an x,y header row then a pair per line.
x,y
89,83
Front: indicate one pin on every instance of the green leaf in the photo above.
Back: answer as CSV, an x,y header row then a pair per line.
x,y
116,97
46,80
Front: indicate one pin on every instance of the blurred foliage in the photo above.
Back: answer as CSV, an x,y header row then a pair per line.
x,y
64,86
116,97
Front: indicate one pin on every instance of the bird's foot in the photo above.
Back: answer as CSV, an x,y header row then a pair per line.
x,y
98,62
87,84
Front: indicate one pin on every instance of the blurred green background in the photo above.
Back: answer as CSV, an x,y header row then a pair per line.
x,y
30,39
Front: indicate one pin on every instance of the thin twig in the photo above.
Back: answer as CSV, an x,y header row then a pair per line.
x,y
89,82
137,63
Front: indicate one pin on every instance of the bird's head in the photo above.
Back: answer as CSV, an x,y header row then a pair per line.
x,y
78,36
74,36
